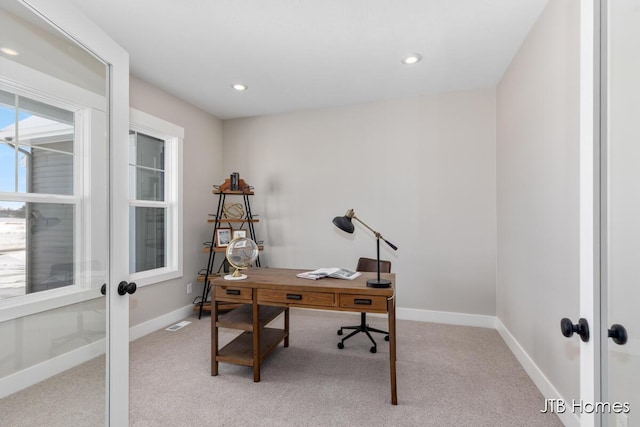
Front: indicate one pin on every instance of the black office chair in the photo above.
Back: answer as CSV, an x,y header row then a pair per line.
x,y
371,265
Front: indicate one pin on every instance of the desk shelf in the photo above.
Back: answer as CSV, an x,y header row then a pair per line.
x,y
242,317
243,349
240,350
206,307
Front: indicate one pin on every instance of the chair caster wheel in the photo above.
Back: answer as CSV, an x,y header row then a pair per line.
x,y
340,345
373,349
386,337
339,331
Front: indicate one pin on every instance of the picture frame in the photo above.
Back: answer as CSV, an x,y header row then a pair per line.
x,y
223,237
240,233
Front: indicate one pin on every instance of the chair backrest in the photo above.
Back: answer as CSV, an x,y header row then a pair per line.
x,y
370,264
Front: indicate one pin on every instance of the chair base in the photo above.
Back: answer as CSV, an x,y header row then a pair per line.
x,y
362,327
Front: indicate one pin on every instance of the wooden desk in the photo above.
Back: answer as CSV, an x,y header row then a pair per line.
x,y
271,291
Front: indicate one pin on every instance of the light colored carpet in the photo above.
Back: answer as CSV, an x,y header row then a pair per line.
x,y
447,376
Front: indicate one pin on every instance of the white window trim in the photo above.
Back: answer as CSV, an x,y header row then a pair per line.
x,y
57,94
174,135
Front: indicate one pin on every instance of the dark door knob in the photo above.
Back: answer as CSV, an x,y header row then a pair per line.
x,y
582,328
103,289
618,334
125,287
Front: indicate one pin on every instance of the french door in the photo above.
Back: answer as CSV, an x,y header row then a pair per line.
x,y
619,346
63,209
610,212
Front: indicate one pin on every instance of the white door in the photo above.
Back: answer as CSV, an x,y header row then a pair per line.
x,y
620,297
63,216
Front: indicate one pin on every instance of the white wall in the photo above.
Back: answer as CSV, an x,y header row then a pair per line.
x,y
202,166
421,171
537,194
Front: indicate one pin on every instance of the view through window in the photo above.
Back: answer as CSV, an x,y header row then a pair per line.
x,y
37,225
148,213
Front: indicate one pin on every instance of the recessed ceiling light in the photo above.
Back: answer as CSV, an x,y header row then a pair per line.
x,y
414,58
8,51
239,87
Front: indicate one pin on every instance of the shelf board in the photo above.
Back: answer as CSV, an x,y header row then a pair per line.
x,y
206,307
240,350
207,249
237,193
242,317
233,220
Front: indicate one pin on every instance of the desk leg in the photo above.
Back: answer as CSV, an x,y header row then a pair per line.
x,y
391,310
286,327
256,341
214,337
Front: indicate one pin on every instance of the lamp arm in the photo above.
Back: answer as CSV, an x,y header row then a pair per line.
x,y
370,229
377,234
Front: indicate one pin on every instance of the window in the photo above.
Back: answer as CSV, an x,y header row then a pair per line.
x,y
38,199
155,205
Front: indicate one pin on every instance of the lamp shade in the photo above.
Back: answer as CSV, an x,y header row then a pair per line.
x,y
344,223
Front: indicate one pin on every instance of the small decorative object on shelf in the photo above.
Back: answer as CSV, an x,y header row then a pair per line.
x,y
230,185
234,182
240,254
223,237
239,234
233,210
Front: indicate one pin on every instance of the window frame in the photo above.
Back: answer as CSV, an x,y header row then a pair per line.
x,y
173,135
82,103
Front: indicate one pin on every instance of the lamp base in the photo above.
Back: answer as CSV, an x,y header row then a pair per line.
x,y
382,283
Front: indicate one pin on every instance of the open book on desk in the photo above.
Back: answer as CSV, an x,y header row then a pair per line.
x,y
334,273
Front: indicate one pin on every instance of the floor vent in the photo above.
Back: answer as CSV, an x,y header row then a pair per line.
x,y
177,326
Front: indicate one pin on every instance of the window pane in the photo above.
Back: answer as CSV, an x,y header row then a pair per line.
x,y
150,151
147,242
7,167
7,139
36,247
45,171
146,171
40,144
149,184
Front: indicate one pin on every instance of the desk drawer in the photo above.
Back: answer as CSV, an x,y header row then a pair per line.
x,y
365,302
320,299
232,293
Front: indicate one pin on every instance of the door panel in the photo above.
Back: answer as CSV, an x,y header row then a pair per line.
x,y
57,197
621,290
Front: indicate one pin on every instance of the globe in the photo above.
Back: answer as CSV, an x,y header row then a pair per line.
x,y
241,252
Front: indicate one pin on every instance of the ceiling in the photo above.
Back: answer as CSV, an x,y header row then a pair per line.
x,y
305,54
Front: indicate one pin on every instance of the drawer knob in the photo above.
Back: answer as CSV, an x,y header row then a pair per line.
x,y
362,301
294,297
233,291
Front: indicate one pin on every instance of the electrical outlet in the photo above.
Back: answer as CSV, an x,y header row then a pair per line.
x,y
622,420
189,288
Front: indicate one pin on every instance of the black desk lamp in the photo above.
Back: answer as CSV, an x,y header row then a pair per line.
x,y
344,223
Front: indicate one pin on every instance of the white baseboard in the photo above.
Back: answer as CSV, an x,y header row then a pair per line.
x,y
160,322
40,372
446,317
547,389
